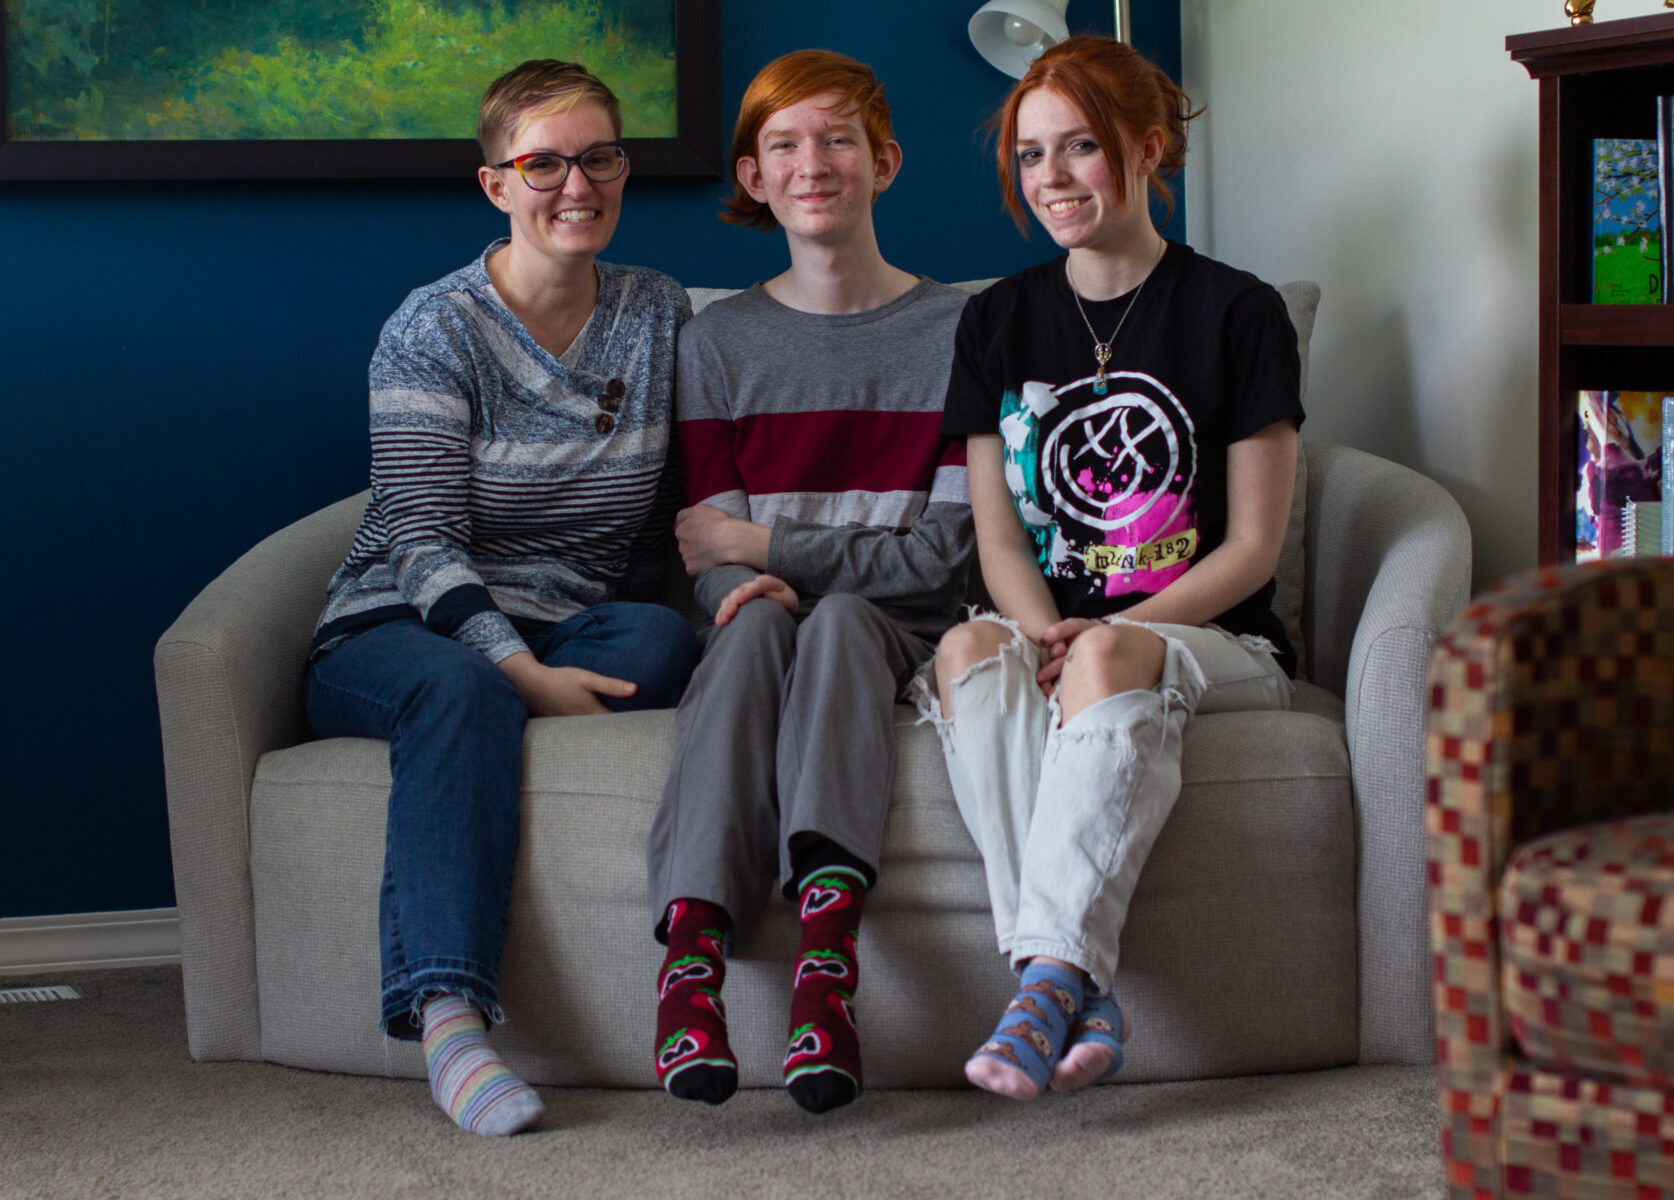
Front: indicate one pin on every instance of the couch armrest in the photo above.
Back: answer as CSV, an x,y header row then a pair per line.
x,y
1388,566
229,689
1552,705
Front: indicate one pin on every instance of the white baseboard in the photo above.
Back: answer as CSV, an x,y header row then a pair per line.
x,y
139,937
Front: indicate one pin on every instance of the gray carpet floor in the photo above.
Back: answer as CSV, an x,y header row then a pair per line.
x,y
98,1098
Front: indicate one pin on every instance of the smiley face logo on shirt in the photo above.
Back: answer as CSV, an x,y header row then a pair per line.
x,y
1123,460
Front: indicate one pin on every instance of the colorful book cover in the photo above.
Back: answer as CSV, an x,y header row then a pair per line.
x,y
1668,475
1627,222
1618,459
1665,183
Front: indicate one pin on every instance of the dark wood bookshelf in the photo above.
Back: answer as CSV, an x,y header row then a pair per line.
x,y
1616,324
1599,80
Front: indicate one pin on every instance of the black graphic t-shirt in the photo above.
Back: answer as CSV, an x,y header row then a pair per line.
x,y
1122,491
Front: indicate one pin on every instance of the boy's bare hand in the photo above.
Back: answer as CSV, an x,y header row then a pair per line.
x,y
769,586
708,537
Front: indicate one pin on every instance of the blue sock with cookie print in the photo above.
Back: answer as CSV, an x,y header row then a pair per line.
x,y
1035,1026
1100,1022
1094,1050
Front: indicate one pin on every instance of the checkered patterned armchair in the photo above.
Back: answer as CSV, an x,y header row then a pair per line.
x,y
1551,760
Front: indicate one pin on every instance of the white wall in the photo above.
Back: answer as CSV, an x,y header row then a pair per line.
x,y
1388,150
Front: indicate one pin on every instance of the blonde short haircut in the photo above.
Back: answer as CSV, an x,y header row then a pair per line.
x,y
540,87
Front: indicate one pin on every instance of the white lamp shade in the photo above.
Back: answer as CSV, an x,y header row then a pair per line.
x,y
1000,47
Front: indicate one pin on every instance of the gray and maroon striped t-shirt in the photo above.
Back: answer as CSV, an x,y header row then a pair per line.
x,y
827,428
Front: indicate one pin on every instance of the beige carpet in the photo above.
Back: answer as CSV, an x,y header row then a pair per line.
x,y
99,1099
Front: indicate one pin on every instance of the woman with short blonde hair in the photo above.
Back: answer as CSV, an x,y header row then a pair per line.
x,y
520,518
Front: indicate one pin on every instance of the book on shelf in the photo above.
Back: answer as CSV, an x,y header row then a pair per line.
x,y
1642,529
1627,222
1665,183
1668,475
1618,459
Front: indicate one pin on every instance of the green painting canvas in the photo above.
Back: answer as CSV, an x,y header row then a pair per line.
x,y
256,70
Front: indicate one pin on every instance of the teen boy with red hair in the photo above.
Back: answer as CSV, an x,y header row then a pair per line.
x,y
830,534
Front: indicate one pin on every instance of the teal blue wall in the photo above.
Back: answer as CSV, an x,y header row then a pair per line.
x,y
183,368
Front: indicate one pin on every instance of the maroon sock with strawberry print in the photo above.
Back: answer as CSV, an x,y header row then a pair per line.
x,y
822,1065
694,1061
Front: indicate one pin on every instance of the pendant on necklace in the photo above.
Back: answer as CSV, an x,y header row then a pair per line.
x,y
1101,351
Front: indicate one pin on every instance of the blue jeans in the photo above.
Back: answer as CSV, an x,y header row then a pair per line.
x,y
454,723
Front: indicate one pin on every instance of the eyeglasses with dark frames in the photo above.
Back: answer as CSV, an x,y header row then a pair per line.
x,y
546,170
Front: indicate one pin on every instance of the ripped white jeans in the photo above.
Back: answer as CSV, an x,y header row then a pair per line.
x,y
1065,814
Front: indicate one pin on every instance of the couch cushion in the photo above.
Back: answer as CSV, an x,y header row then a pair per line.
x,y
1563,1135
703,297
1239,956
1587,930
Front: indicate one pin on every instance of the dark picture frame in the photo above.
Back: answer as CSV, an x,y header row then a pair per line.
x,y
695,150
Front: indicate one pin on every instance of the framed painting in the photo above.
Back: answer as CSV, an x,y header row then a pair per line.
x,y
331,89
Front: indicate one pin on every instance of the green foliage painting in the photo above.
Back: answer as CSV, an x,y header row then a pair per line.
x,y
149,70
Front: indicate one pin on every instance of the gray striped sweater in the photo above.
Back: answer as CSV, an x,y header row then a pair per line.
x,y
510,487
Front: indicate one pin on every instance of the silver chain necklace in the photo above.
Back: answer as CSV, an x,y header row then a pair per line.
x,y
1101,350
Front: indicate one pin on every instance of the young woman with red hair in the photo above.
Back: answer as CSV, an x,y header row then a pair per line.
x,y
1131,411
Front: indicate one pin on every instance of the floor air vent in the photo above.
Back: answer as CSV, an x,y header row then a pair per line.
x,y
24,995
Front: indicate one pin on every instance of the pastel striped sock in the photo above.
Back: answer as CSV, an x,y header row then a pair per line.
x,y
467,1079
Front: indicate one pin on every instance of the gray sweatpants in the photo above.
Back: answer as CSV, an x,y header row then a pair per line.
x,y
785,729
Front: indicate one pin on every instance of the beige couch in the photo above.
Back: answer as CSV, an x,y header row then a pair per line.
x,y
1278,926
